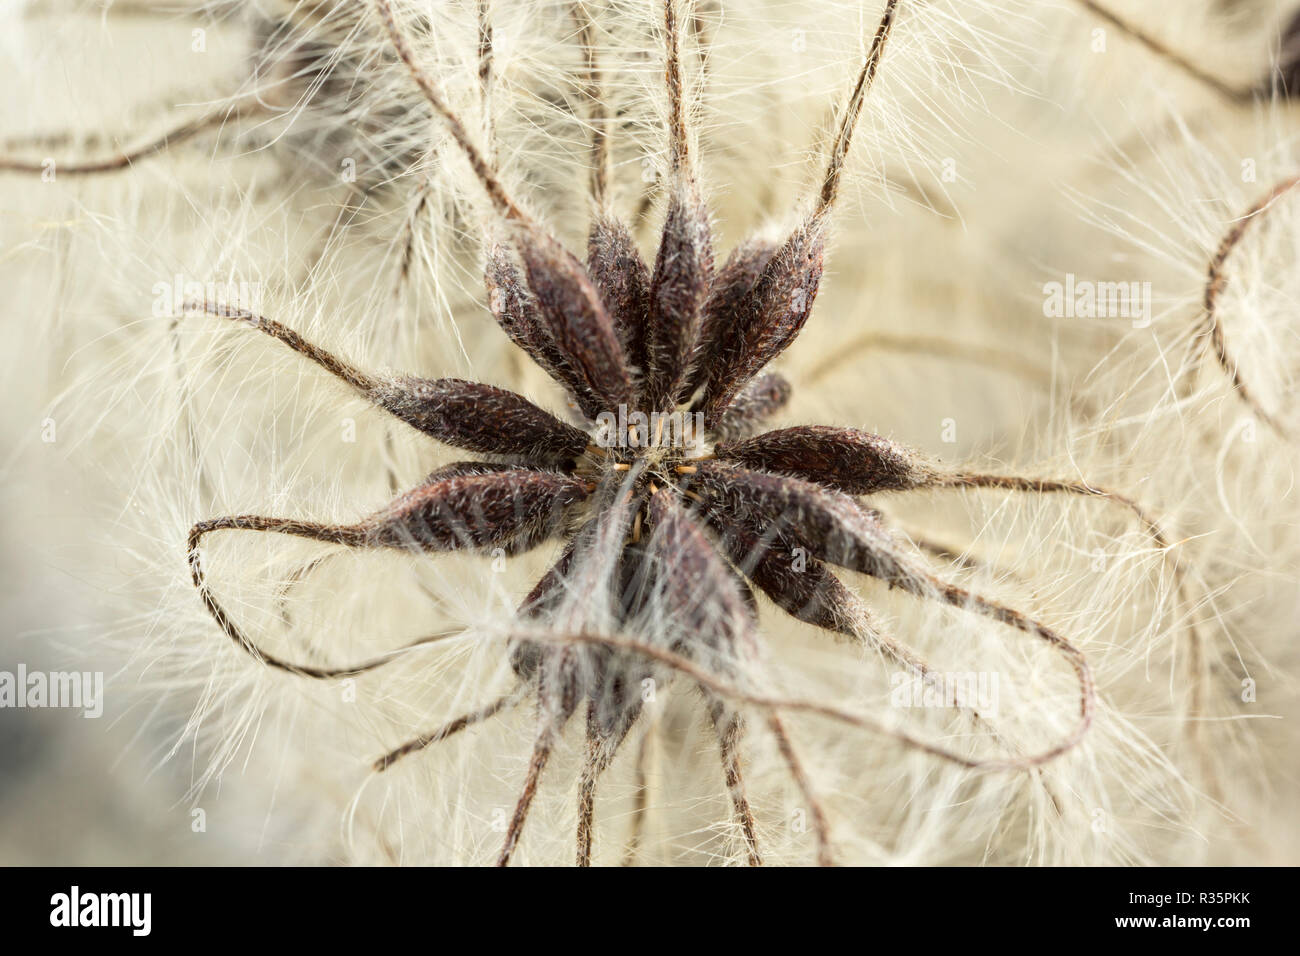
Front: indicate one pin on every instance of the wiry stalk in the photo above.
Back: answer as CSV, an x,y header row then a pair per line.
x,y
1149,525
1211,326
332,534
536,764
1165,52
815,809
738,694
591,767
483,169
730,728
599,109
448,729
839,150
128,158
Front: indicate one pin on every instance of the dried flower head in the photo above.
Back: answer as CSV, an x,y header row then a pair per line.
x,y
700,541
670,495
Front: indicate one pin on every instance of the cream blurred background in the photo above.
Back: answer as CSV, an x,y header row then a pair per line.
x,y
77,259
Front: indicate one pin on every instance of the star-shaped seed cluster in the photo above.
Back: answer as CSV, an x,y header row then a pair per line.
x,y
672,502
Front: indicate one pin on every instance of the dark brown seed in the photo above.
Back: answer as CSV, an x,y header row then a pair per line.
x,y
830,524
623,281
546,595
457,469
481,418
612,679
615,700
726,295
581,571
713,622
758,401
559,684
516,310
846,459
797,583
598,546
615,677
769,318
598,673
550,588
577,322
682,276
513,510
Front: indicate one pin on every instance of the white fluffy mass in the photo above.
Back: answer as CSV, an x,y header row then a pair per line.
x,y
1008,147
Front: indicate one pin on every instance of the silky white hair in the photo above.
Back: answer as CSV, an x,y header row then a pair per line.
x,y
1007,145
